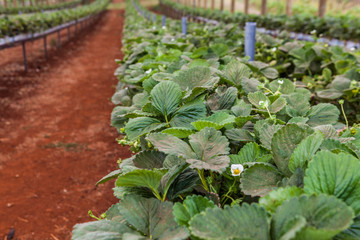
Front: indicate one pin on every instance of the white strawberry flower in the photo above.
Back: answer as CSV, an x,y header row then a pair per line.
x,y
274,49
280,82
236,169
264,104
148,71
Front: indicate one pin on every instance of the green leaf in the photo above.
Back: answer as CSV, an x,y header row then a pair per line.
x,y
251,152
266,134
352,233
270,72
241,109
100,230
256,97
325,216
179,132
240,135
297,105
165,143
191,206
217,121
141,178
223,98
277,105
166,97
335,174
322,114
245,222
112,175
169,177
287,86
284,143
235,71
149,159
304,152
259,179
195,80
188,113
151,218
211,149
137,127
276,197
241,121
220,49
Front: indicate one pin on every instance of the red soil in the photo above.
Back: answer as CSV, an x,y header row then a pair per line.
x,y
55,137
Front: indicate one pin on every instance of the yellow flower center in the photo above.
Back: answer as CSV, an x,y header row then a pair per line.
x,y
236,171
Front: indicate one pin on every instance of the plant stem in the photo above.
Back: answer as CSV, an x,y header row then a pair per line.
x,y
203,181
343,112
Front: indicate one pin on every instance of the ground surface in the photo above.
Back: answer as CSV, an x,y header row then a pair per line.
x,y
55,137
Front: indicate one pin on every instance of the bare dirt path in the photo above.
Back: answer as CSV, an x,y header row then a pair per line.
x,y
56,141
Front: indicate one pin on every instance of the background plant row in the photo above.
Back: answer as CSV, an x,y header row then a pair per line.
x,y
345,27
192,108
12,26
32,9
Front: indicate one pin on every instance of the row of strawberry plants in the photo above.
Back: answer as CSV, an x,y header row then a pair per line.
x,y
38,8
225,149
12,26
341,27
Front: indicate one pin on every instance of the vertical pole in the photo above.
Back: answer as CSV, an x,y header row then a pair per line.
x,y
250,32
322,8
154,18
263,7
183,25
213,5
199,3
289,7
45,47
246,6
24,55
222,5
23,3
163,21
5,3
59,42
14,3
205,4
232,9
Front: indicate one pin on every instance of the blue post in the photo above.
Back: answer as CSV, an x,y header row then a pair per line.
x,y
20,12
163,21
154,18
250,31
183,25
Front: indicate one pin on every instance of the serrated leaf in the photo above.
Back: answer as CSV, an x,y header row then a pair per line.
x,y
335,174
256,97
325,216
297,105
270,72
216,121
211,149
166,97
223,98
149,159
251,152
322,114
266,134
235,71
191,206
137,127
188,113
304,152
165,143
241,121
111,175
284,143
151,218
141,178
241,109
247,222
240,135
100,230
286,86
259,179
352,233
276,197
179,132
277,105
